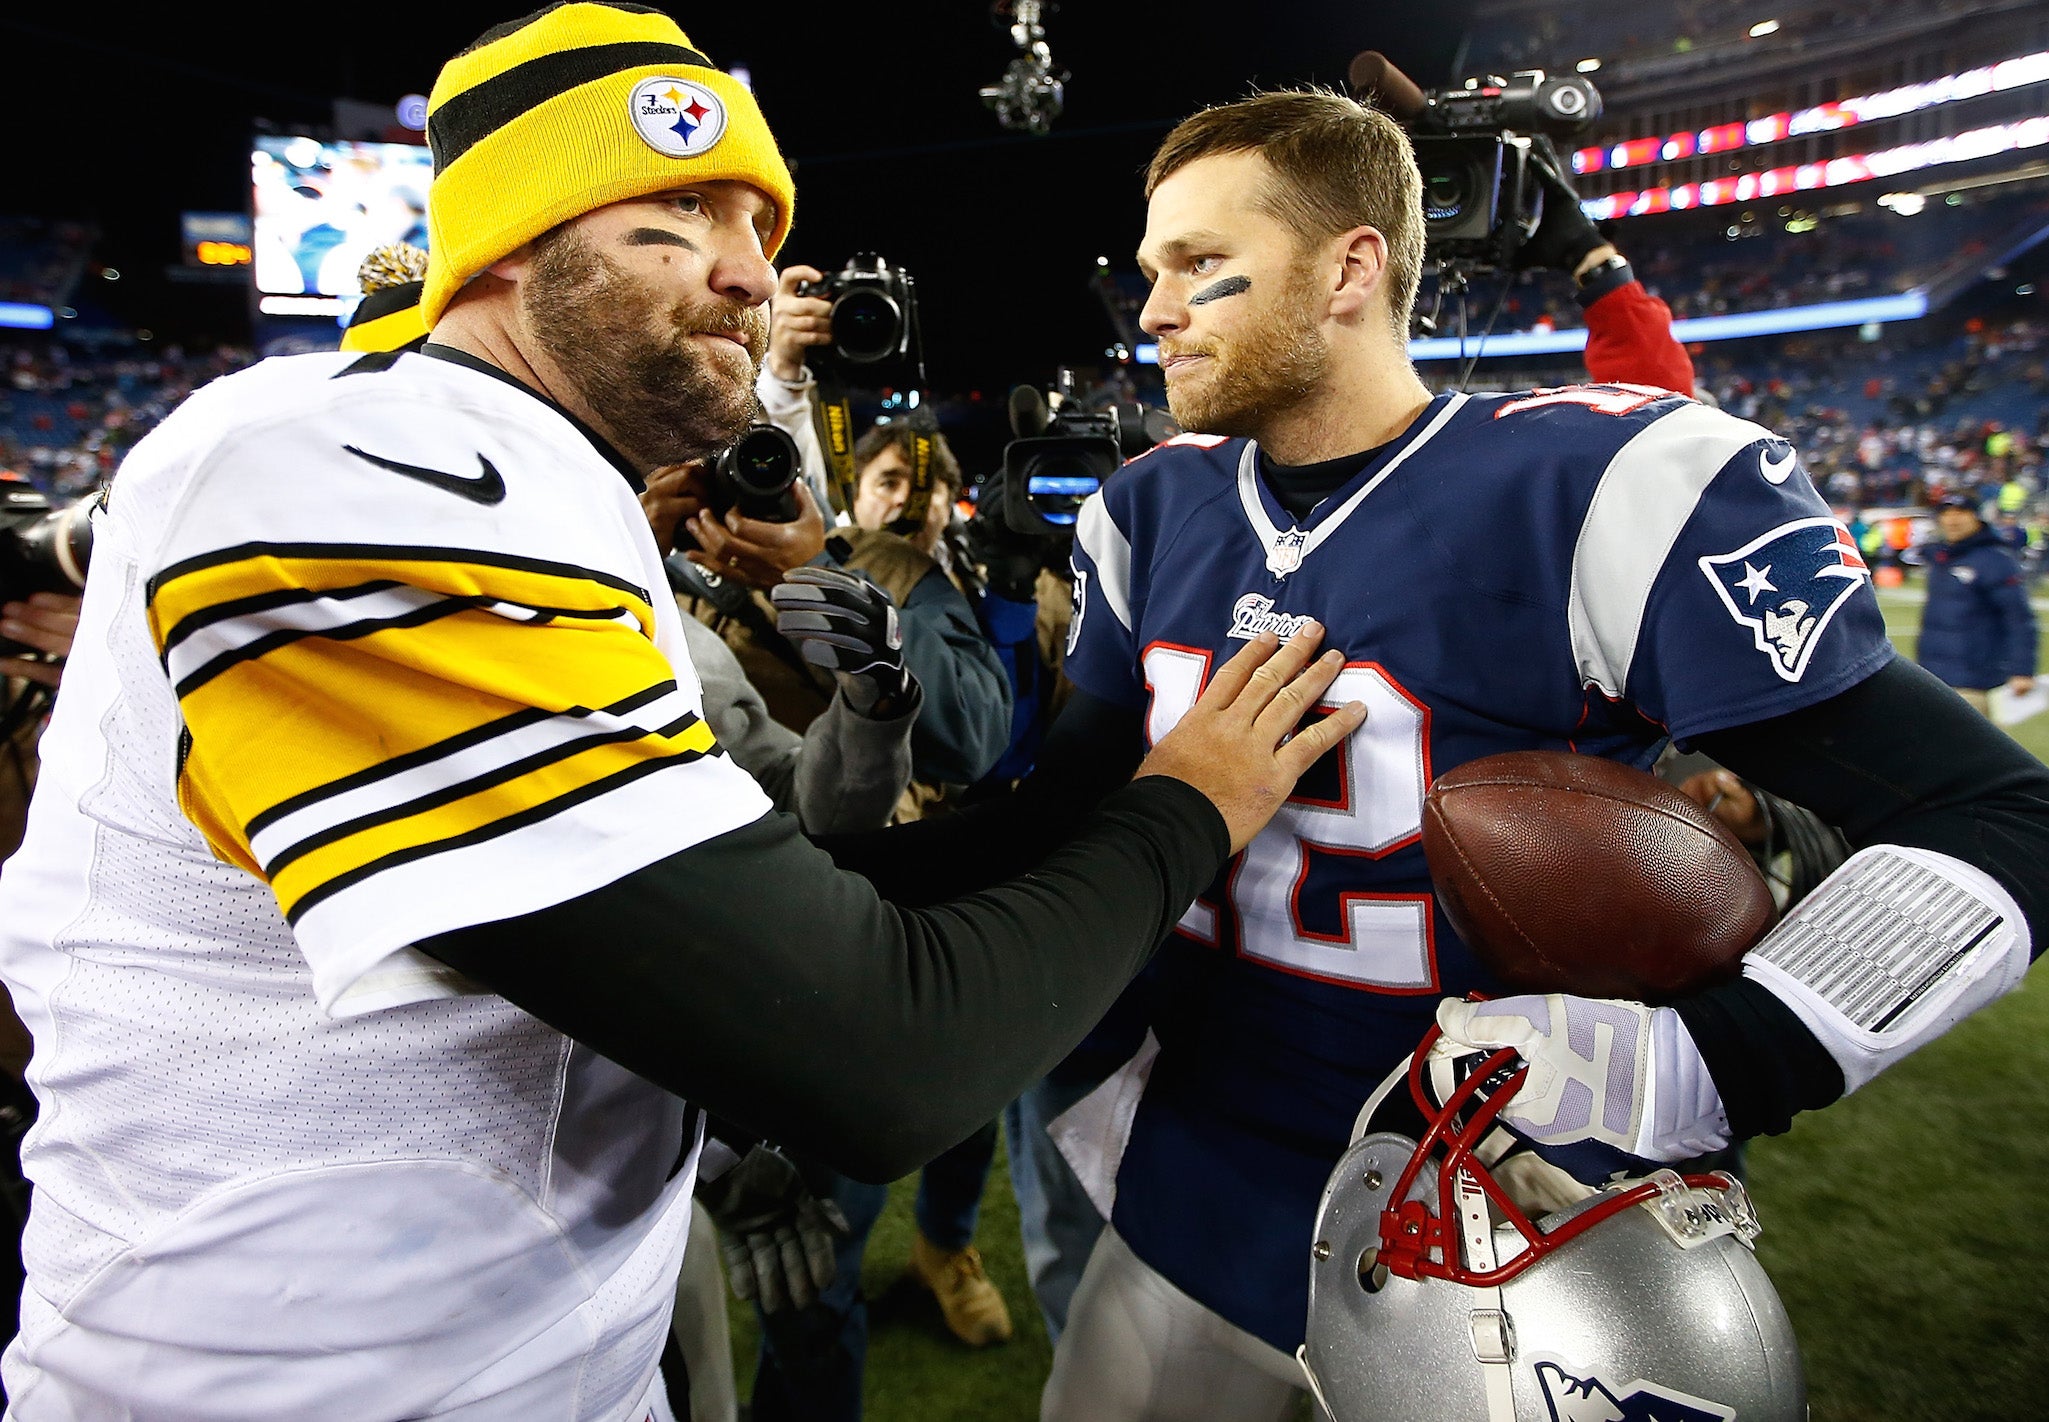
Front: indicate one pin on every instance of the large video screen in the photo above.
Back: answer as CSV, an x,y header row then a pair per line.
x,y
320,208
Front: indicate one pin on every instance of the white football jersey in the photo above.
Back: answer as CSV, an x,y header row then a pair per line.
x,y
369,652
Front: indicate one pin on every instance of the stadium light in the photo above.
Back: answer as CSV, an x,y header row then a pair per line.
x,y
2015,73
1833,173
1763,28
1823,316
1905,204
22,316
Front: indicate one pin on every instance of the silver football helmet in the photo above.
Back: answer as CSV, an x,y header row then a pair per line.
x,y
1435,1297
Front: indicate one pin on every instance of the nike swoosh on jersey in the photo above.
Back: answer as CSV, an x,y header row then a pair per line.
x,y
1775,471
485,488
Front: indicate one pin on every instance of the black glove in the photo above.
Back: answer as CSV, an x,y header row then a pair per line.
x,y
1010,560
1564,234
847,625
778,1237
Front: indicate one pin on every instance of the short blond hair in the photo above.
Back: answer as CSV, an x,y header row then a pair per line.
x,y
1337,164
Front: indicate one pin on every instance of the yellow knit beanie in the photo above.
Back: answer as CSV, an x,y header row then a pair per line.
x,y
571,108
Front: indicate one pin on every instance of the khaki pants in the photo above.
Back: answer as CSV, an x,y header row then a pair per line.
x,y
1981,701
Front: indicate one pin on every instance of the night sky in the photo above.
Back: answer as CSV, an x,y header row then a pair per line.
x,y
128,122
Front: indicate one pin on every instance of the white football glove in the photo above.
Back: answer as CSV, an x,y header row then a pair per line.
x,y
1613,1086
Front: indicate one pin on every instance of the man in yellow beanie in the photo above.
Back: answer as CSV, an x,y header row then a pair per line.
x,y
386,895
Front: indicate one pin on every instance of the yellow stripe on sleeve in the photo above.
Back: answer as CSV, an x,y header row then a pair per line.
x,y
350,742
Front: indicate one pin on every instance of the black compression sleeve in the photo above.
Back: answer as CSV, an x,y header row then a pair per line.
x,y
1897,759
1092,748
749,976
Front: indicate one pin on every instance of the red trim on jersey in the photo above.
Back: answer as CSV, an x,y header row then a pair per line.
x,y
1429,904
1304,846
1201,683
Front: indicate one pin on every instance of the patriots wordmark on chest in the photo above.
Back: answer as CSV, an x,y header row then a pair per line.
x,y
1254,613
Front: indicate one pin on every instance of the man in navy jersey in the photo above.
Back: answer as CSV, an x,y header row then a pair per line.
x,y
1599,568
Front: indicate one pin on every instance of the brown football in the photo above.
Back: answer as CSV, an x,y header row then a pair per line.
x,y
1570,873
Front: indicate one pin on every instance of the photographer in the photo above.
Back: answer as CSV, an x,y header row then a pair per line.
x,y
965,722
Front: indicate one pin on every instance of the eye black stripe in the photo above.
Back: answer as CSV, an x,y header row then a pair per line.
x,y
473,115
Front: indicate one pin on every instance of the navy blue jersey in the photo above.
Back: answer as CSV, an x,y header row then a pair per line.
x,y
1596,568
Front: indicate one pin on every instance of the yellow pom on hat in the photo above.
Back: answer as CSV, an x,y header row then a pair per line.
x,y
388,317
571,108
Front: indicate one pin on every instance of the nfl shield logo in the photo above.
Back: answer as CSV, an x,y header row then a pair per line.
x,y
1285,555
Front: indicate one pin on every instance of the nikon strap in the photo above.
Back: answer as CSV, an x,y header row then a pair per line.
x,y
918,503
832,413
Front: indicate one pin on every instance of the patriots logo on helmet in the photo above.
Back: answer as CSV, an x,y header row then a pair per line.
x,y
1787,585
1588,1399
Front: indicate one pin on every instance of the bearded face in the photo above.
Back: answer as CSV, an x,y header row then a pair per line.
x,y
666,381
1270,355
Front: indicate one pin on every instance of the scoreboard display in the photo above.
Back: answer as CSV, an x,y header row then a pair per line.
x,y
321,207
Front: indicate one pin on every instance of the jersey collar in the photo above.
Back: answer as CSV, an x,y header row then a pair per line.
x,y
1287,550
613,457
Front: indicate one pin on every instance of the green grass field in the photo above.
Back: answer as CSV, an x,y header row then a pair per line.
x,y
1900,1228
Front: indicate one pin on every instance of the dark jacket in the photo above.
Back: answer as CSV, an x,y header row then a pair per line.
x,y
964,720
1978,629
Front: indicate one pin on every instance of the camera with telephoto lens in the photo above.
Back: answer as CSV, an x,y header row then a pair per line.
x,y
756,474
43,548
875,335
1063,453
1481,193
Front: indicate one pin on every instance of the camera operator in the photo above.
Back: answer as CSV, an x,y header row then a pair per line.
x,y
1629,331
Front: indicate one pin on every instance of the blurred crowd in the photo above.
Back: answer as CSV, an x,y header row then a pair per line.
x,y
67,414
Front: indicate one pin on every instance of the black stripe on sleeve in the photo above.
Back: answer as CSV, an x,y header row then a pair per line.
x,y
426,755
265,602
263,646
350,631
466,119
461,790
484,833
391,553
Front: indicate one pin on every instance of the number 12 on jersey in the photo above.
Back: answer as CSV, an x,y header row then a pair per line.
x,y
1288,891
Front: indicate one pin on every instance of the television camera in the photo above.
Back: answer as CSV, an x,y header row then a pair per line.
x,y
1480,147
1062,453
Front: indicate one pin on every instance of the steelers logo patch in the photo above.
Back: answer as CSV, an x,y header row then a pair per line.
x,y
677,117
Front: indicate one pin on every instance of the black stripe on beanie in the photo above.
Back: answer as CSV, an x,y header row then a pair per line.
x,y
383,303
513,27
475,114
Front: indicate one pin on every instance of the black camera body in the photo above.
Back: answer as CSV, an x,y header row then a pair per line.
x,y
756,474
43,548
1481,195
875,333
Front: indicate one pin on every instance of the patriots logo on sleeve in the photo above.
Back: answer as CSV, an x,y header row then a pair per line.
x,y
1588,1399
1787,585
